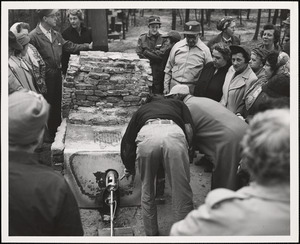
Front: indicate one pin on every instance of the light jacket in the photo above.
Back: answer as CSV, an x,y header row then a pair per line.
x,y
253,210
234,88
185,64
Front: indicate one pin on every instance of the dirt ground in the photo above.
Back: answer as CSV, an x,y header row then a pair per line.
x,y
131,216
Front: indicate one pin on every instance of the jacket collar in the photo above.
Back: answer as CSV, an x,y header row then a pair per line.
x,y
199,44
279,193
42,35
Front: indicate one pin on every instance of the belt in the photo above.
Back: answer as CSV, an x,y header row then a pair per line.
x,y
160,122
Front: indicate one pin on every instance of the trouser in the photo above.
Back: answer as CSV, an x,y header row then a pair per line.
x,y
163,144
53,97
158,78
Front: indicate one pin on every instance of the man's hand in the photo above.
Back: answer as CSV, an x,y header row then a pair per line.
x,y
127,174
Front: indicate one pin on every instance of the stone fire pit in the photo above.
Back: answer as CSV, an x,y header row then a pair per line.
x,y
101,91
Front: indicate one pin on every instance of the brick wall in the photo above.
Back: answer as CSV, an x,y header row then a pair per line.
x,y
105,80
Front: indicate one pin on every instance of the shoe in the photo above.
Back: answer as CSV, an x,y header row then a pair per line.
x,y
206,163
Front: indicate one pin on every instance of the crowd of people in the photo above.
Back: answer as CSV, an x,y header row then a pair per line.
x,y
223,100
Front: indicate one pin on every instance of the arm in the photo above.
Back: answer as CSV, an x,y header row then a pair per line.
x,y
71,47
168,71
67,221
128,145
139,49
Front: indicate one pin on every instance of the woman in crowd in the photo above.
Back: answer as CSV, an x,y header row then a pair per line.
x,y
76,33
33,57
213,74
227,27
263,207
257,62
20,71
277,63
238,79
271,38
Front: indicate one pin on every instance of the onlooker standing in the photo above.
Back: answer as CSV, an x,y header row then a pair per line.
x,y
286,36
227,27
50,45
20,71
212,78
218,133
13,83
187,59
271,37
257,62
33,57
152,41
40,201
263,208
159,133
76,33
238,79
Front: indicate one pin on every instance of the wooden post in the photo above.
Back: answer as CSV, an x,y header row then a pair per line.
x,y
97,20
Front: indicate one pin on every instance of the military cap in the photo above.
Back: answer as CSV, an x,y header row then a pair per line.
x,y
191,28
154,20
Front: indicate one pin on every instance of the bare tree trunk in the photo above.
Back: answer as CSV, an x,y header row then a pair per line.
x,y
269,15
196,17
240,16
248,13
187,15
174,19
202,24
225,12
275,17
257,25
180,17
134,18
208,14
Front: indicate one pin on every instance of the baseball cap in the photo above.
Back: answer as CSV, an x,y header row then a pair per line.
x,y
179,89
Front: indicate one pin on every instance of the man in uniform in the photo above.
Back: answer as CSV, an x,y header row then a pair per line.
x,y
261,209
50,45
187,59
152,41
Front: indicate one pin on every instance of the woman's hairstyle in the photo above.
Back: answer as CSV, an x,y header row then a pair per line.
x,y
266,147
272,59
78,12
223,49
270,26
224,23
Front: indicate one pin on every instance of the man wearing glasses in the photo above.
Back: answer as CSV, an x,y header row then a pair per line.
x,y
50,45
187,59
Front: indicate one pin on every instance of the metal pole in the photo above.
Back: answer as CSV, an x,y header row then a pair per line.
x,y
111,213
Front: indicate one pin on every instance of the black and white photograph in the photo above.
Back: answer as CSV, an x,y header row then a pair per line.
x,y
149,121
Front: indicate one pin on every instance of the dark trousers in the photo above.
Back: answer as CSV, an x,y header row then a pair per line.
x,y
53,97
158,78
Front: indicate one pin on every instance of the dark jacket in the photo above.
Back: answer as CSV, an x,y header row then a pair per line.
x,y
72,35
209,84
171,109
234,40
52,52
41,202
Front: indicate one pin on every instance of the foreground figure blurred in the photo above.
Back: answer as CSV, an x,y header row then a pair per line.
x,y
40,201
263,208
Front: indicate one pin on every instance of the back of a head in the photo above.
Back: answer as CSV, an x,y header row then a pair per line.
x,y
266,147
28,114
